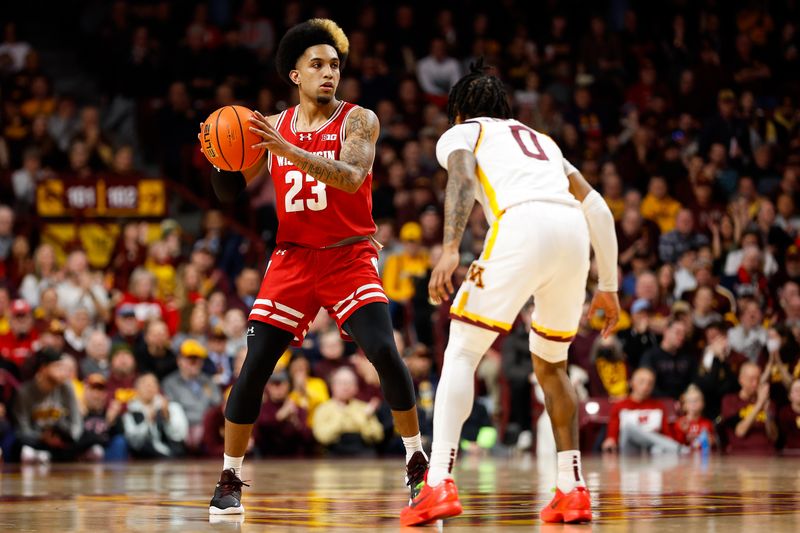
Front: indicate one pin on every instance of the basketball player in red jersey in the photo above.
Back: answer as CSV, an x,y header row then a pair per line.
x,y
320,155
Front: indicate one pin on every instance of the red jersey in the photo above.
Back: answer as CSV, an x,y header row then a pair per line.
x,y
649,415
686,431
310,213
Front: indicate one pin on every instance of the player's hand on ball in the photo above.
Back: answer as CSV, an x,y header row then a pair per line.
x,y
272,140
441,285
608,302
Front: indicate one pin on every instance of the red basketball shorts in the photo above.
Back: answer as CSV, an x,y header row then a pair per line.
x,y
299,281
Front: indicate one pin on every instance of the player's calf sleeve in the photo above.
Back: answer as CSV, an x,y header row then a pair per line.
x,y
265,345
455,394
371,328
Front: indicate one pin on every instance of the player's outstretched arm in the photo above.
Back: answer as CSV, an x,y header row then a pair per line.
x,y
604,243
458,202
355,158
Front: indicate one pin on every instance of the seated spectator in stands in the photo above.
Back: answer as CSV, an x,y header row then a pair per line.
x,y
98,350
717,374
102,436
331,347
159,265
647,288
154,426
47,413
609,369
789,421
639,421
122,373
750,337
343,424
129,253
194,391
308,392
437,72
129,329
689,427
53,336
234,324
401,269
248,283
673,244
214,430
8,392
639,338
748,417
45,275
750,280
673,366
77,333
703,313
723,301
82,288
217,304
419,361
142,295
637,236
6,232
17,345
219,364
154,354
212,279
517,368
196,327
282,427
48,310
369,383
735,258
659,206
71,369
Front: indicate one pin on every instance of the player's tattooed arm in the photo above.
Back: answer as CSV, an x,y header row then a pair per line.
x,y
459,196
355,158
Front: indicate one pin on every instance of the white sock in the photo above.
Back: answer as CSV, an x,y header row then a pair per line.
x,y
233,462
443,457
455,395
569,471
413,444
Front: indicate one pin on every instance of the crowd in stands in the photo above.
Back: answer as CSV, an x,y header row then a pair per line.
x,y
684,115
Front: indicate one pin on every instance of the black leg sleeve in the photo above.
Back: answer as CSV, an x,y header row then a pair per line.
x,y
265,345
371,328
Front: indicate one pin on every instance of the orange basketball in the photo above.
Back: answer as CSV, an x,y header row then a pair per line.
x,y
226,139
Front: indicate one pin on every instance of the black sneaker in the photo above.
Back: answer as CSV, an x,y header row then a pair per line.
x,y
415,473
228,494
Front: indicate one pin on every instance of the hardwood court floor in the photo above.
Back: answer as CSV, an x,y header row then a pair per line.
x,y
636,495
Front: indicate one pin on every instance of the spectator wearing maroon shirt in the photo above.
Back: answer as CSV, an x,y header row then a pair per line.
x,y
789,421
282,427
639,421
748,417
19,344
672,365
689,427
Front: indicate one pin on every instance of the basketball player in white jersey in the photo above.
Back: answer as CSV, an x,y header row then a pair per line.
x,y
543,217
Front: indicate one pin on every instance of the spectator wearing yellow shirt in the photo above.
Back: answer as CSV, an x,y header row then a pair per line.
x,y
401,268
308,391
659,206
158,262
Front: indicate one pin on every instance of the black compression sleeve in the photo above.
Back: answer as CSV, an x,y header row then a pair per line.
x,y
228,185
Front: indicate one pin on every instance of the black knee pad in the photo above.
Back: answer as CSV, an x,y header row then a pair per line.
x,y
265,345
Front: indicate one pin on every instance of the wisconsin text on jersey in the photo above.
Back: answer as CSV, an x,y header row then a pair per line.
x,y
327,154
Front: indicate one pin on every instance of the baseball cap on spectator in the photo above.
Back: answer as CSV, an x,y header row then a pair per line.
x,y
20,307
726,95
126,311
96,381
640,305
44,357
217,333
279,377
192,348
168,226
411,231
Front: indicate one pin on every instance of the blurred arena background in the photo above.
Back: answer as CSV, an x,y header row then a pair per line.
x,y
115,252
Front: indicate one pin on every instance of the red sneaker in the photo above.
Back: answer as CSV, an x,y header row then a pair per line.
x,y
575,506
432,503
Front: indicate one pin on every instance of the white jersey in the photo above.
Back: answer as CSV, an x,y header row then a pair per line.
x,y
516,163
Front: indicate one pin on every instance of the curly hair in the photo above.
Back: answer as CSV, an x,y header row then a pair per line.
x,y
478,94
305,35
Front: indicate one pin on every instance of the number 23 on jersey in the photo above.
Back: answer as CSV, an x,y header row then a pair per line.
x,y
297,179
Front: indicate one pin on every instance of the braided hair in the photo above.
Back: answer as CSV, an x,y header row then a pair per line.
x,y
478,94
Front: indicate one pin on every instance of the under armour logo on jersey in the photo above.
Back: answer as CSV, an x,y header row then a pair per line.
x,y
475,275
251,331
329,137
280,252
304,136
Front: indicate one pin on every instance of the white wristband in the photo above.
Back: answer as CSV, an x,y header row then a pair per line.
x,y
603,238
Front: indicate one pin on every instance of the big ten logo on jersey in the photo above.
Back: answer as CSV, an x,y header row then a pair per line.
x,y
475,275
